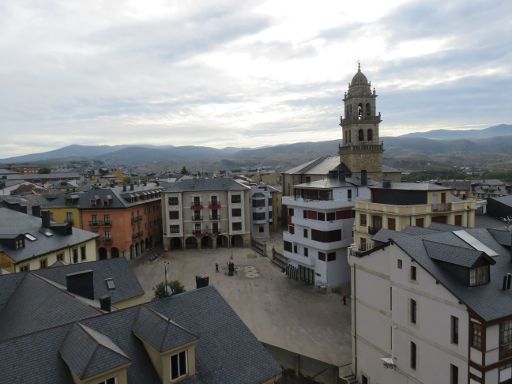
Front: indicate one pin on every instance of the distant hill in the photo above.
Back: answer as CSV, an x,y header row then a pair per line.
x,y
68,152
446,134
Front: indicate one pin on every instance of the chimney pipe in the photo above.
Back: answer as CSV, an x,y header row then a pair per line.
x,y
504,282
509,280
105,303
45,219
364,177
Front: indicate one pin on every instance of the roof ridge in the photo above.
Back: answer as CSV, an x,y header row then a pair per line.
x,y
92,355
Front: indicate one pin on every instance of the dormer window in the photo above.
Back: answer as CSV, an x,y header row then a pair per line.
x,y
179,365
19,243
479,275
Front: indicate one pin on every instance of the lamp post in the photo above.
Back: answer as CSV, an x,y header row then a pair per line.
x,y
166,287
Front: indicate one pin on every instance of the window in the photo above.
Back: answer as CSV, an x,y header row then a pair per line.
x,y
215,228
60,257
83,254
174,229
108,235
505,373
94,220
326,236
258,216
291,229
413,310
305,214
75,255
399,263
173,201
174,215
19,243
362,219
261,228
321,216
413,355
505,337
479,275
413,273
236,226
331,256
69,217
321,256
294,248
178,365
196,200
476,335
331,216
106,219
25,268
454,330
43,263
112,380
236,199
213,200
454,374
197,228
305,233
290,211
349,195
287,246
269,201
236,212
306,252
391,223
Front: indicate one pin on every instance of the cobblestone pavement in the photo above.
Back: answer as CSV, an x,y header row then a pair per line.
x,y
278,311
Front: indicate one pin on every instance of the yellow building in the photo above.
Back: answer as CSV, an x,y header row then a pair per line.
x,y
28,242
395,206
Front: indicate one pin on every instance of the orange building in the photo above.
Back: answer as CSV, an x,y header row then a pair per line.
x,y
128,220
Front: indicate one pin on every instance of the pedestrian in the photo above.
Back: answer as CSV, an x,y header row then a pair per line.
x,y
216,267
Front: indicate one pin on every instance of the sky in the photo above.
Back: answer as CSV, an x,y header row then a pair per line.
x,y
244,73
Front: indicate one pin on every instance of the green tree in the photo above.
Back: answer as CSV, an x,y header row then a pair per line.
x,y
44,170
184,171
127,180
175,286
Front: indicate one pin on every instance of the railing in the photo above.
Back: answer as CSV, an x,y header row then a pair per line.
x,y
214,205
363,118
279,259
373,230
214,217
196,205
197,218
99,223
441,207
94,223
361,147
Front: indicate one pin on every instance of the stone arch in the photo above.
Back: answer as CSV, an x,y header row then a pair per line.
x,y
176,243
114,252
370,135
360,111
191,242
360,135
132,252
206,242
102,253
222,241
237,241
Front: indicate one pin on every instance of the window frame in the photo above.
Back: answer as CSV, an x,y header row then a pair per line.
x,y
178,357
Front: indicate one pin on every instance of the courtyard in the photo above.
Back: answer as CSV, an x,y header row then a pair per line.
x,y
279,311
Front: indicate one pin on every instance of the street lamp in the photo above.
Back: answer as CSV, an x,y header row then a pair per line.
x,y
166,287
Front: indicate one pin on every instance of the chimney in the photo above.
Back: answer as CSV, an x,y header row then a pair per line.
x,y
45,219
105,303
202,281
509,280
504,282
131,187
364,177
124,187
81,283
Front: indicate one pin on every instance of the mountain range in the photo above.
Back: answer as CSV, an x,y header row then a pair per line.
x,y
437,145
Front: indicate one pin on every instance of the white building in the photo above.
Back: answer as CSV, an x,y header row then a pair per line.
x,y
261,210
433,305
320,219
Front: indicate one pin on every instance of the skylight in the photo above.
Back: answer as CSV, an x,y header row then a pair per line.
x,y
475,243
30,237
110,283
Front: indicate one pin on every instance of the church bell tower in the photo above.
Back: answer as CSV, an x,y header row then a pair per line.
x,y
361,149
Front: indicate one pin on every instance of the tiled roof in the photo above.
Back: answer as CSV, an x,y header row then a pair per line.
x,y
16,223
127,285
215,184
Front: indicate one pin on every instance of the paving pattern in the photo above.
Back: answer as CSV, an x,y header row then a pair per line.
x,y
278,311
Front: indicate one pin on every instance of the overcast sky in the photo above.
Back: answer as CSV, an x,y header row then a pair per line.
x,y
244,73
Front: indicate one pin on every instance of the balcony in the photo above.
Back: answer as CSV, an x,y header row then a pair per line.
x,y
358,249
197,218
94,223
196,205
292,201
107,223
214,205
441,207
107,240
373,230
136,218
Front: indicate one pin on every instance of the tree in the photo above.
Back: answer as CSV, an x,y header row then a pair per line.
x,y
44,170
174,286
184,171
127,180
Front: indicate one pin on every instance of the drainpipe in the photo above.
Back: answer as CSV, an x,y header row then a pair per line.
x,y
354,301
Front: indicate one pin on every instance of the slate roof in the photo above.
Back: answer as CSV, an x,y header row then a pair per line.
x,y
127,285
16,223
454,255
160,332
329,183
414,187
89,353
488,301
34,304
202,184
319,166
227,352
505,200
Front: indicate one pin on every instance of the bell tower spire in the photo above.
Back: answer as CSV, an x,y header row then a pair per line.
x,y
361,149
